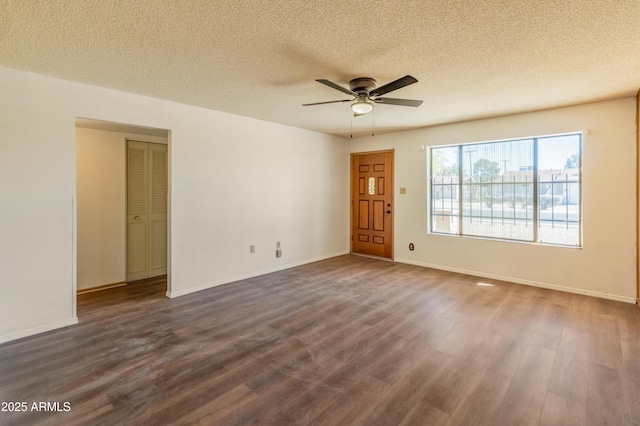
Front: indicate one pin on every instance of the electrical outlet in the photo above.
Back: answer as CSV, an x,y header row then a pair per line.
x,y
252,249
277,244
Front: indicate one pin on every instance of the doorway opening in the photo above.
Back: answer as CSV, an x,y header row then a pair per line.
x,y
110,194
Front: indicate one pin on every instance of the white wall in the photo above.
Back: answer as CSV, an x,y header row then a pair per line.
x,y
234,182
101,204
604,267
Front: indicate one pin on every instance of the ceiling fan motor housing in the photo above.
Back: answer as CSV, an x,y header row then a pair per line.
x,y
362,85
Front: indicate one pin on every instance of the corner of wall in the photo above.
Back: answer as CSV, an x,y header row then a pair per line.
x,y
638,197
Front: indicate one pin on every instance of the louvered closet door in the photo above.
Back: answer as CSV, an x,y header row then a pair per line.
x,y
146,210
157,210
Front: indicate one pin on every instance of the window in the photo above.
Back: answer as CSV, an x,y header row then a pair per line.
x,y
523,189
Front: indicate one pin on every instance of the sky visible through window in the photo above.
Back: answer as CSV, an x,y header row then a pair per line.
x,y
553,152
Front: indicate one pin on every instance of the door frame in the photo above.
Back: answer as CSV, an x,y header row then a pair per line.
x,y
352,195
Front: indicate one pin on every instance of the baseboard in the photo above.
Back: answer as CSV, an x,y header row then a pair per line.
x,y
37,330
582,292
174,294
101,287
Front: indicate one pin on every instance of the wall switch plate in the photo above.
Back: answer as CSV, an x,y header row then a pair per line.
x,y
403,190
278,252
252,249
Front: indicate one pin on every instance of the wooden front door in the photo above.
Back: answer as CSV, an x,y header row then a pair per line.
x,y
372,204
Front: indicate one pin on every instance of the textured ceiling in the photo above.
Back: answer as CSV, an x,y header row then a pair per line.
x,y
260,58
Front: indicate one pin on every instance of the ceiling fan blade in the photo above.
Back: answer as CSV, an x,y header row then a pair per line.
x,y
395,101
335,86
328,102
394,85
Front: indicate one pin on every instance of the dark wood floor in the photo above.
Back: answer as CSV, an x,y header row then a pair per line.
x,y
345,341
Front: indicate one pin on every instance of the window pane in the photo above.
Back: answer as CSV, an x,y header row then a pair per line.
x,y
497,190
559,189
444,190
527,189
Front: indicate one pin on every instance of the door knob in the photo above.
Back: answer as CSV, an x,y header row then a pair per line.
x,y
388,211
137,217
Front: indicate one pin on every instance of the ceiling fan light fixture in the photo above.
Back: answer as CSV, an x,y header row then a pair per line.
x,y
361,107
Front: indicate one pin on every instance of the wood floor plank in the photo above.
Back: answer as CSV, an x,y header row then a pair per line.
x,y
606,349
399,399
424,414
482,399
548,332
605,400
561,411
345,341
631,390
447,389
570,376
530,384
221,407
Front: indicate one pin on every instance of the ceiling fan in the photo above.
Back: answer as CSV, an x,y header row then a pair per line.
x,y
364,93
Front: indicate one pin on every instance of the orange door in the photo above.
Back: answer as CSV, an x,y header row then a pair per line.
x,y
372,204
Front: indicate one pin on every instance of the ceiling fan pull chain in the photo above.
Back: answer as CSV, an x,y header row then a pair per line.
x,y
373,122
351,127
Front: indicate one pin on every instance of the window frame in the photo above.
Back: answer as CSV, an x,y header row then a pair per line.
x,y
536,185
